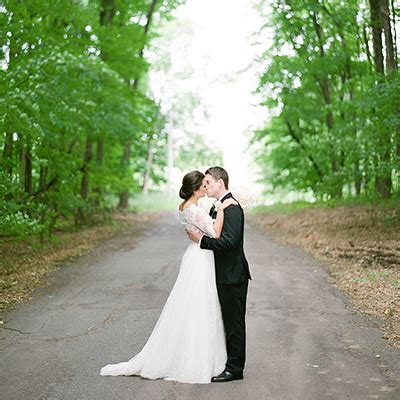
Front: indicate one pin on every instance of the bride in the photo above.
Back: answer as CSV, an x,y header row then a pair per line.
x,y
188,341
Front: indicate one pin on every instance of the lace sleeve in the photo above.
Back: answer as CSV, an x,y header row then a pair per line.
x,y
199,218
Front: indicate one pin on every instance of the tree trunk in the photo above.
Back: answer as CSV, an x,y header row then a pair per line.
x,y
149,164
8,153
336,191
41,189
389,44
123,200
107,12
347,78
376,24
383,183
124,196
42,178
391,67
366,42
82,218
85,168
25,165
99,162
146,30
357,186
21,162
28,169
357,178
398,171
394,30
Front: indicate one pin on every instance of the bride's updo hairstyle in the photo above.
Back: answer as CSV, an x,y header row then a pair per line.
x,y
190,183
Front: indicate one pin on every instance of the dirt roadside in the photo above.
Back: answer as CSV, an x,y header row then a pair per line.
x,y
360,247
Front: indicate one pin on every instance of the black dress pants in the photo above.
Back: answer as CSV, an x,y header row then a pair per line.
x,y
232,298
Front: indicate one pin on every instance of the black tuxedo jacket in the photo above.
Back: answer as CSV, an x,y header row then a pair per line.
x,y
231,265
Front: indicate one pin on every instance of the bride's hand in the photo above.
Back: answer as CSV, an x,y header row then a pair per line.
x,y
227,203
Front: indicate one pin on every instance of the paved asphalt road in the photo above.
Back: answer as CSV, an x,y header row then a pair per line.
x,y
305,342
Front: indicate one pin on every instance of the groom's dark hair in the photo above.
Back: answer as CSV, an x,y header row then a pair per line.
x,y
219,173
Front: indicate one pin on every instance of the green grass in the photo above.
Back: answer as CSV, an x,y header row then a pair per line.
x,y
364,200
286,208
154,201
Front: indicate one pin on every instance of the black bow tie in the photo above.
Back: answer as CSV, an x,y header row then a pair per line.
x,y
212,209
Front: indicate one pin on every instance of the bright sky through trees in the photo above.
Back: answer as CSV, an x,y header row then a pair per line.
x,y
219,52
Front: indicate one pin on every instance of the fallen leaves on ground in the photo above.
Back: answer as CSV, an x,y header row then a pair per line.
x,y
360,245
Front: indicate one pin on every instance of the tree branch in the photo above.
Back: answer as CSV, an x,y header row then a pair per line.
x,y
300,143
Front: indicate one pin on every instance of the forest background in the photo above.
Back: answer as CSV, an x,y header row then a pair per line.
x,y
84,136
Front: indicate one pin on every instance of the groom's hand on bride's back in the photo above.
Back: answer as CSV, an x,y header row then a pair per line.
x,y
194,236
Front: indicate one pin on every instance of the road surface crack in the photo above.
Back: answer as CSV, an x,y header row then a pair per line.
x,y
17,330
113,316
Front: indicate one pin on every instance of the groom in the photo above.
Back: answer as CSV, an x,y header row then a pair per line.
x,y
232,273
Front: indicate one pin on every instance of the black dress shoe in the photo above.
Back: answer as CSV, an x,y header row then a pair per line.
x,y
227,376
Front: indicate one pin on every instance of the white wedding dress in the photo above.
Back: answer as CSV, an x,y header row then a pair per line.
x,y
188,341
